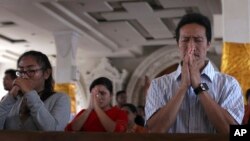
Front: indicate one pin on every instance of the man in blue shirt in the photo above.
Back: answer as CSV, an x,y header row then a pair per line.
x,y
195,98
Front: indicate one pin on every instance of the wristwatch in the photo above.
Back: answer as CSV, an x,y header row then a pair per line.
x,y
202,87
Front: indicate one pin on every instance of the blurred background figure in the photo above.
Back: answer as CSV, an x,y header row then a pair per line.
x,y
246,119
141,111
9,77
135,121
121,98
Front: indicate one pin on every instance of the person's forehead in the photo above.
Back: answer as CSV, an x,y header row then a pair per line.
x,y
27,61
101,86
192,28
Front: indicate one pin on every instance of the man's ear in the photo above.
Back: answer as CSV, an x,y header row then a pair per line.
x,y
47,73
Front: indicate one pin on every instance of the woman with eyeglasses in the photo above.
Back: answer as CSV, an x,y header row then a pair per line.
x,y
100,116
32,103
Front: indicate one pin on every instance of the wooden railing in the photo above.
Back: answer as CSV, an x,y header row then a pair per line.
x,y
83,136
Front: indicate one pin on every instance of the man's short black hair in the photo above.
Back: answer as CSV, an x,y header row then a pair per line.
x,y
194,18
11,72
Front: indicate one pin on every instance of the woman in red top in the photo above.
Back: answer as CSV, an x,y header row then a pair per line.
x,y
100,116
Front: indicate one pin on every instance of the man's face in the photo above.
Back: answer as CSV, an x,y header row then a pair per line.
x,y
7,82
122,99
193,39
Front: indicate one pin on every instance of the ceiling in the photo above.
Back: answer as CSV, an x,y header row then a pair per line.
x,y
106,28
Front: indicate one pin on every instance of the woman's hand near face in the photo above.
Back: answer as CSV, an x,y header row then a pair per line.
x,y
25,84
91,103
95,94
14,91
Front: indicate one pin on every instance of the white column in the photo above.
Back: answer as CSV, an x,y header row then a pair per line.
x,y
236,35
236,21
66,46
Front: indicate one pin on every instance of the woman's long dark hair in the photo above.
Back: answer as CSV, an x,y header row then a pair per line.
x,y
44,63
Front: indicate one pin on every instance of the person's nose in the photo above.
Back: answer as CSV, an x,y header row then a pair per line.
x,y
191,45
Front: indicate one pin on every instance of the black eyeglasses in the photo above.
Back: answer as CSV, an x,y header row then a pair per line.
x,y
29,73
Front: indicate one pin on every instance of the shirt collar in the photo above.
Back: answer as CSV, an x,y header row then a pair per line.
x,y
178,72
207,72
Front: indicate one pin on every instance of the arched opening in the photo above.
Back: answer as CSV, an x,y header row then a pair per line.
x,y
167,70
